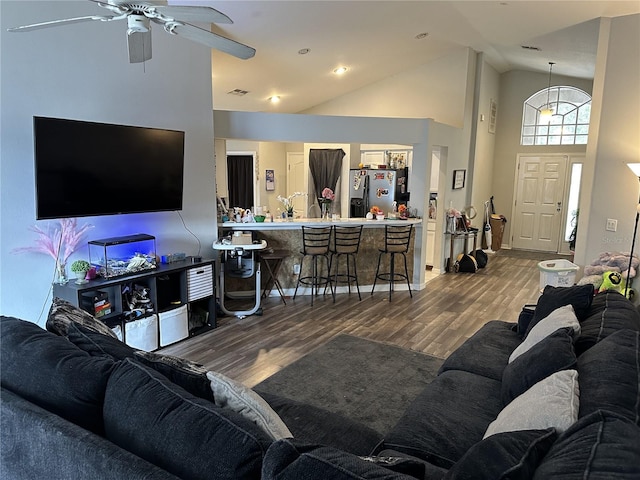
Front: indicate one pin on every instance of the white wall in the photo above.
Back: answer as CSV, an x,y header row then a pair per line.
x,y
82,71
515,87
434,90
616,118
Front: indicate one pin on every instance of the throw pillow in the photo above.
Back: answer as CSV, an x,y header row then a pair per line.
x,y
161,422
502,456
63,313
550,355
51,372
97,344
602,445
291,459
228,393
559,318
552,298
611,311
550,403
189,375
610,376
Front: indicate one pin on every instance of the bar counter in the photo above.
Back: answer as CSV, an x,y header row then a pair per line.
x,y
284,234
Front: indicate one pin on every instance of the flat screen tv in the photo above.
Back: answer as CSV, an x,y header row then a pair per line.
x,y
88,168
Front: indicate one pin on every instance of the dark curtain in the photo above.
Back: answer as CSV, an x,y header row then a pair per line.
x,y
240,178
325,165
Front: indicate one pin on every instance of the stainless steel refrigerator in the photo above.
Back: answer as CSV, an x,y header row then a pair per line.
x,y
376,187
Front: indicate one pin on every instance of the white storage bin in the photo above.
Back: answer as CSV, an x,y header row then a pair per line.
x,y
557,273
174,325
142,334
199,282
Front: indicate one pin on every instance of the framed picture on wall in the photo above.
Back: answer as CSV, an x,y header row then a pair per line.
x,y
458,178
270,180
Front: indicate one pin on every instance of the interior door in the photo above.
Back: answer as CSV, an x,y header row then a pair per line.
x,y
296,181
538,204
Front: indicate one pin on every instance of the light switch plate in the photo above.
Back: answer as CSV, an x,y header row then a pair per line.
x,y
612,225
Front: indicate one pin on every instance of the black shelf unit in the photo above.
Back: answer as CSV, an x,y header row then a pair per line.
x,y
170,286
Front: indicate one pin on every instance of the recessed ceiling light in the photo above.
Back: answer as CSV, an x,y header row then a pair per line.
x,y
274,99
304,51
422,35
340,70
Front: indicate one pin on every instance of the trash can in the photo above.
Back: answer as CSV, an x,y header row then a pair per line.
x,y
557,273
497,229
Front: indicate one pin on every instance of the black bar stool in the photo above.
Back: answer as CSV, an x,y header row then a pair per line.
x,y
272,260
346,242
315,244
396,242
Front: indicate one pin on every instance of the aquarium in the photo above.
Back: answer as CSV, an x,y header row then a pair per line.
x,y
119,256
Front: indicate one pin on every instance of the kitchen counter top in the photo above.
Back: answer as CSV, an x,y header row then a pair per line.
x,y
283,224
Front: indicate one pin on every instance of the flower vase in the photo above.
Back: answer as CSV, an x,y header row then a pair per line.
x,y
61,277
451,225
326,211
290,216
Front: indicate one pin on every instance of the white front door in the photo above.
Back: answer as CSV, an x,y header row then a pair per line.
x,y
538,205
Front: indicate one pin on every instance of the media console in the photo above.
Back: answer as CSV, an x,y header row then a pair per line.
x,y
154,308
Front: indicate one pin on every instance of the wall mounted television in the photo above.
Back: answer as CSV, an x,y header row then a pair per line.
x,y
89,168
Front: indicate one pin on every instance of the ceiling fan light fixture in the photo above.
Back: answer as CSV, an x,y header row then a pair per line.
x,y
137,24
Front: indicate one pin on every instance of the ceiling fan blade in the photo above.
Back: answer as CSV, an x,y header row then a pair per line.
x,y
193,14
210,39
55,23
139,44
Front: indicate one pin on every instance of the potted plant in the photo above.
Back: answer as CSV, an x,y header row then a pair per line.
x,y
80,268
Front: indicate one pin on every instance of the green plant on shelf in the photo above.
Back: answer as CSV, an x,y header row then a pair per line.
x,y
80,266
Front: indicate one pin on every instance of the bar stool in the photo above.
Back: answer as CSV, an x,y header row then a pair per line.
x,y
315,244
396,242
346,242
272,260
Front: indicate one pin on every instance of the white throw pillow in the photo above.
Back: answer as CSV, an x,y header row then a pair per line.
x,y
228,393
560,318
550,403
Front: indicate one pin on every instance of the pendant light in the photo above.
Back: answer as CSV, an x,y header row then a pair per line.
x,y
547,112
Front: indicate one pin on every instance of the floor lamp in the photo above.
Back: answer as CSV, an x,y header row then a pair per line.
x,y
635,168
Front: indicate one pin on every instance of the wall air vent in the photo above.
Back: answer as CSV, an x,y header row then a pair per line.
x,y
238,92
531,47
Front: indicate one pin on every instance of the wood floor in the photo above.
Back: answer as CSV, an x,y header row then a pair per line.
x,y
435,321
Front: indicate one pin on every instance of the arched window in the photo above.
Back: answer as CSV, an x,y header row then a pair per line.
x,y
569,124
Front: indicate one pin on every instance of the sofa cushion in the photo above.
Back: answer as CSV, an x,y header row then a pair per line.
x,y
98,344
317,425
36,444
550,403
53,373
448,417
62,314
610,311
552,298
188,436
228,393
560,318
294,460
486,352
550,355
600,446
189,375
610,376
507,455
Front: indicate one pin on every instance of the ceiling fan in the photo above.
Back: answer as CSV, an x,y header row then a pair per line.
x,y
174,19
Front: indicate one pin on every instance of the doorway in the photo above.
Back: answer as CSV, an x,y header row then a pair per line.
x,y
296,181
546,199
240,180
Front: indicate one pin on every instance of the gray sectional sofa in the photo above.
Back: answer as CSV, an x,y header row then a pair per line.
x,y
554,395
